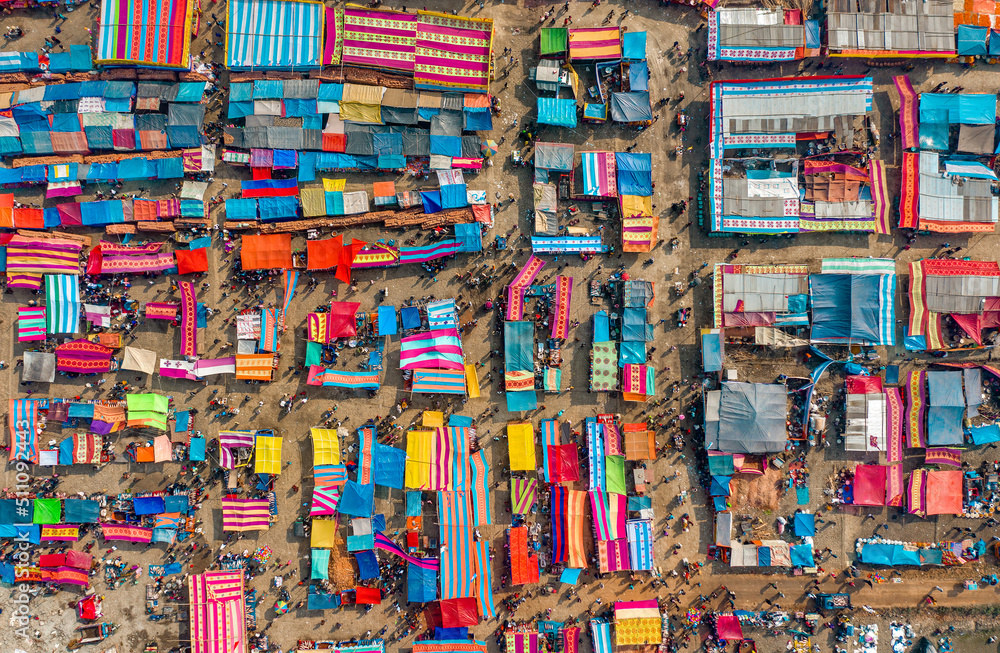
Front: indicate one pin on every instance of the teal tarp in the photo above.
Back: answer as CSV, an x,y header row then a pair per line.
x,y
518,340
559,112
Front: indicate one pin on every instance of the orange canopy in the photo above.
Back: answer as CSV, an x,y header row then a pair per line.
x,y
267,252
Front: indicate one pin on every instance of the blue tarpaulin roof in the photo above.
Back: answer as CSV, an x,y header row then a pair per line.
x,y
994,44
390,464
805,524
638,76
555,111
148,505
719,486
410,316
711,351
367,565
845,307
196,453
595,111
81,511
972,40
802,555
387,325
518,340
945,388
985,434
813,39
888,554
635,173
322,601
602,327
450,633
356,499
413,503
632,353
944,425
966,108
633,325
634,45
431,200
521,400
469,237
631,107
421,584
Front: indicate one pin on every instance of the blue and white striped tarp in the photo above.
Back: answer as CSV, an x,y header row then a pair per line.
x,y
600,636
274,34
640,543
441,315
62,303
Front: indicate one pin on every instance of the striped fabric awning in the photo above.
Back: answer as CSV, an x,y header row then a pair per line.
x,y
245,515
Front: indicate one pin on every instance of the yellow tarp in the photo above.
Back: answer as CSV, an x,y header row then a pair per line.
x,y
267,455
363,94
324,534
433,418
326,447
334,185
313,202
636,205
418,459
357,112
472,381
521,445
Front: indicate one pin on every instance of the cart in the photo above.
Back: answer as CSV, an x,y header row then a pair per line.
x,y
92,634
596,292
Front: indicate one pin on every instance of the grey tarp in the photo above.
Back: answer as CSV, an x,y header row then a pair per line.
x,y
416,142
631,107
150,122
546,223
752,417
447,123
255,137
471,147
977,139
554,156
453,101
399,115
259,121
284,138
945,388
359,141
312,139
300,89
185,114
39,367
235,136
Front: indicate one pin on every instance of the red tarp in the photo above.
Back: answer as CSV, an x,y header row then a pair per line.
x,y
869,485
564,465
944,492
864,385
52,560
972,324
347,255
367,596
324,254
191,260
456,613
727,626
78,560
342,323
266,252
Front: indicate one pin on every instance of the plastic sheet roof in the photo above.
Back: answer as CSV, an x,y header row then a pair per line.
x,y
752,417
274,34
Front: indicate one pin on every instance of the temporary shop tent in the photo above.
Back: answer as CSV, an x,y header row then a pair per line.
x,y
217,613
869,485
804,524
421,583
888,554
944,492
727,627
556,157
972,40
274,35
266,252
946,409
555,111
752,417
139,360
267,454
521,444
39,367
147,409
846,308
155,34
635,173
595,44
554,41
631,107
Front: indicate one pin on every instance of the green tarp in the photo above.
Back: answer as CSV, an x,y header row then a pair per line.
x,y
555,40
320,564
614,477
148,401
604,367
48,511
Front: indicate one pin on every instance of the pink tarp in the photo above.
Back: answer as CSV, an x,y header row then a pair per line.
x,y
869,485
864,385
342,323
727,626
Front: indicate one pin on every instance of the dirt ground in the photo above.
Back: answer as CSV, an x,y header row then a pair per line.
x,y
676,179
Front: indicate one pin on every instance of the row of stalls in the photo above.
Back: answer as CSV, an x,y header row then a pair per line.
x,y
619,352
303,126
944,31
